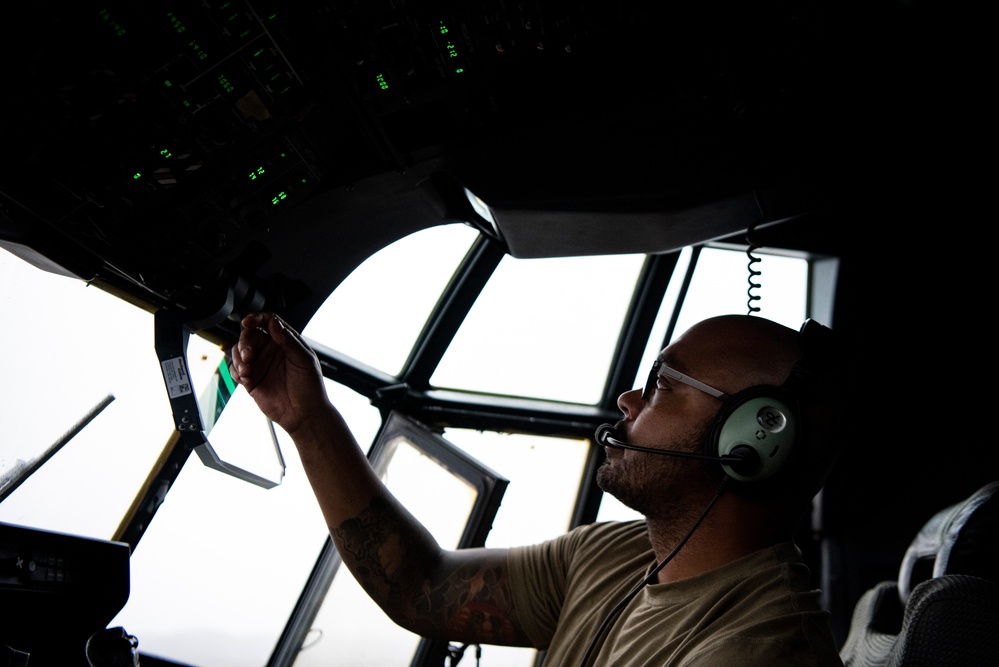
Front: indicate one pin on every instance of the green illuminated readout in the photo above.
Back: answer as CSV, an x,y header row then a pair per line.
x,y
137,175
198,51
452,50
166,153
175,22
224,82
118,28
261,170
382,83
167,83
179,28
283,194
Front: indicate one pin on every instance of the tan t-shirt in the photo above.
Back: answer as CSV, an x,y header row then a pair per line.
x,y
758,610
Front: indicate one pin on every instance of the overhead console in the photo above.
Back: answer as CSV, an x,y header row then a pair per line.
x,y
159,146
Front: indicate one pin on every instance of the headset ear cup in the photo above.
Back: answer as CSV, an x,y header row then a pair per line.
x,y
757,419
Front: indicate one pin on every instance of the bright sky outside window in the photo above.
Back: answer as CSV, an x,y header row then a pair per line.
x,y
375,315
544,306
558,319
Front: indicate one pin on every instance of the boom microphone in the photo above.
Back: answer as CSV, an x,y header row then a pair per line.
x,y
743,457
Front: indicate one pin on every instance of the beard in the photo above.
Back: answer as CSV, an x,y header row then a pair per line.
x,y
656,485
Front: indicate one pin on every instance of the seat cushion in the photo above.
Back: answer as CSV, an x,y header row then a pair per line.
x,y
951,620
874,628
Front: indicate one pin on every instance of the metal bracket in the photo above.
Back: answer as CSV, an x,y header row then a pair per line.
x,y
172,332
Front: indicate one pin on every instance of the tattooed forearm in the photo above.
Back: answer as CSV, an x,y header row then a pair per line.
x,y
373,544
400,566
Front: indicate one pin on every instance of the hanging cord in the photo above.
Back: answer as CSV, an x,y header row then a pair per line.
x,y
652,575
455,653
753,260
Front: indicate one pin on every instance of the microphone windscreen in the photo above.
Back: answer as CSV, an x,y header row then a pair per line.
x,y
605,435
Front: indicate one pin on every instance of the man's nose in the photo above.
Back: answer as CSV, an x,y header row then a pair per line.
x,y
629,400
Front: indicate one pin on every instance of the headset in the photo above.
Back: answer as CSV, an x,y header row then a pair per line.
x,y
755,431
752,437
762,424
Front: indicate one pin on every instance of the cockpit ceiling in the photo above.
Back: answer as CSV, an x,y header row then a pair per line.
x,y
162,148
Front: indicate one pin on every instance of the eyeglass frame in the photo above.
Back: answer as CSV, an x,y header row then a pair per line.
x,y
660,369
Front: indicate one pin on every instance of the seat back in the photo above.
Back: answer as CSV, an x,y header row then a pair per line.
x,y
950,620
961,539
944,607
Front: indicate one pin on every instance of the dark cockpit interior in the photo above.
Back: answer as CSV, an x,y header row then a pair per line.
x,y
177,151
201,160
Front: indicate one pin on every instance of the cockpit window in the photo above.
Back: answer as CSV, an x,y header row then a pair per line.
x,y
86,413
376,313
553,325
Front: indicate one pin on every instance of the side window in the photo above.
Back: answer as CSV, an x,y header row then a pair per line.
x,y
719,285
722,284
543,328
84,408
376,313
453,495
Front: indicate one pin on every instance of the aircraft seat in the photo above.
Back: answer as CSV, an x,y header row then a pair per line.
x,y
944,607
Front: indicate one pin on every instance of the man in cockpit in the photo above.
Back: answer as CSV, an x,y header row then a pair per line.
x,y
722,452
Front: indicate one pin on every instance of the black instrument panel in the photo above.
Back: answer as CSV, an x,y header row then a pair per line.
x,y
145,143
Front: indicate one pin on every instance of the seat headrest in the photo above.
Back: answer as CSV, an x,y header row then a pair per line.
x,y
961,539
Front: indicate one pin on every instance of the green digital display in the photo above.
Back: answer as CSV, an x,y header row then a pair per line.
x,y
175,22
178,26
284,194
117,27
449,47
198,51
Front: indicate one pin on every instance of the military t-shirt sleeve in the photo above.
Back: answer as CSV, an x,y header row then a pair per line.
x,y
571,580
